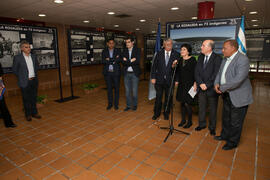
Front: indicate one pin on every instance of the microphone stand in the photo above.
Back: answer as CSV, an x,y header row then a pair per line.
x,y
170,96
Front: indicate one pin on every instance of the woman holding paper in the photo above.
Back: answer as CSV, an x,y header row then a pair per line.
x,y
186,84
3,107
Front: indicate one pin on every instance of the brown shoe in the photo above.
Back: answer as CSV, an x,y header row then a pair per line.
x,y
37,116
28,118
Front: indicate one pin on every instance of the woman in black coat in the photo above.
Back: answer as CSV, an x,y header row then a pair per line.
x,y
3,107
185,80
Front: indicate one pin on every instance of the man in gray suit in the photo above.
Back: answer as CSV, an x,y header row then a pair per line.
x,y
25,67
233,83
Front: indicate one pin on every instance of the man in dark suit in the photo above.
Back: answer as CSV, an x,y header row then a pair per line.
x,y
25,67
112,71
205,74
233,83
161,76
132,71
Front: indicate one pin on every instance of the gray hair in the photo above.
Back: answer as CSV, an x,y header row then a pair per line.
x,y
23,42
168,40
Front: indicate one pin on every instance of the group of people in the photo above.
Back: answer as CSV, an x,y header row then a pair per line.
x,y
208,77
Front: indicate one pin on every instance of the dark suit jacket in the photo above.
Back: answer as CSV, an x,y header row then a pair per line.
x,y
160,70
115,61
20,69
136,53
207,76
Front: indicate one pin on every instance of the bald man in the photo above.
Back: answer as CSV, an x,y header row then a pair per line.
x,y
205,74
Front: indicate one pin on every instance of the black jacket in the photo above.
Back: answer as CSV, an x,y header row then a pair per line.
x,y
115,61
136,53
207,76
160,71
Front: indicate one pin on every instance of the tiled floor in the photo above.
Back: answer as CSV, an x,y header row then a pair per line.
x,y
81,140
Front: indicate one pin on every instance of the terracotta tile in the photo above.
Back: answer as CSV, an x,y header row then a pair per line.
x,y
40,151
57,176
197,163
241,175
145,171
51,156
204,154
128,164
42,173
191,173
86,175
25,178
163,152
180,157
72,170
65,149
210,176
225,160
219,169
161,175
32,166
87,160
133,177
139,155
75,155
148,147
89,147
102,167
263,172
173,167
116,173
60,163
114,157
6,166
101,152
244,165
125,150
13,174
186,149
112,145
155,161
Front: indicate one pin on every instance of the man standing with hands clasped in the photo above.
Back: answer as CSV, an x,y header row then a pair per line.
x,y
161,76
233,83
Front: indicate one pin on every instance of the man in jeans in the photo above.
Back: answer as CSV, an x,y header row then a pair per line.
x,y
132,71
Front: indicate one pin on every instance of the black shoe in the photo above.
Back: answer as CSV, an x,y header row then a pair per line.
x,y
219,138
166,116
228,147
11,126
126,109
109,107
188,125
134,108
116,107
155,117
181,123
28,118
37,116
199,128
212,132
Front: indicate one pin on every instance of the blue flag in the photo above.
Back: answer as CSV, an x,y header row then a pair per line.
x,y
241,39
152,91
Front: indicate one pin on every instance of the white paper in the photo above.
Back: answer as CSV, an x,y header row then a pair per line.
x,y
88,52
91,46
192,92
87,39
23,36
31,46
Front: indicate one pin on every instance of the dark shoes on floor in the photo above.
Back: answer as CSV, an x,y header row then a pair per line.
x,y
37,116
126,109
228,147
134,108
11,126
219,138
109,107
212,132
199,128
166,116
28,118
188,125
155,117
116,107
181,123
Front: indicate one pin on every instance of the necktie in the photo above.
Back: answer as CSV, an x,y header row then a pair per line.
x,y
167,58
205,61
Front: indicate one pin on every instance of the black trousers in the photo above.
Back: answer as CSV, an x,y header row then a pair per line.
x,y
5,113
186,109
232,120
29,95
113,82
205,101
160,90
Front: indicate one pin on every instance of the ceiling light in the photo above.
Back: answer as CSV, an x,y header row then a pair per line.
x,y
137,29
42,15
253,12
116,25
142,20
255,25
248,0
153,31
194,17
86,21
174,8
58,1
254,20
111,13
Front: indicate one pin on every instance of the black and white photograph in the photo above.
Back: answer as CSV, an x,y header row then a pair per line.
x,y
42,41
150,43
99,42
119,42
98,54
79,55
9,47
78,41
45,57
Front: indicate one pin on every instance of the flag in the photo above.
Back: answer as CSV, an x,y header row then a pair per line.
x,y
152,91
241,39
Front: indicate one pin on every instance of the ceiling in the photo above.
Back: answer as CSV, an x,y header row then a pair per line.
x,y
74,12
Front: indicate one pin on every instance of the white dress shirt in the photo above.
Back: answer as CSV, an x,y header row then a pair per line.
x,y
30,66
227,63
130,69
208,57
168,52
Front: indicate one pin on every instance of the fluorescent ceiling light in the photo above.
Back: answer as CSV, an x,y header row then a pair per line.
x,y
86,21
255,25
254,20
194,17
42,15
116,25
137,29
111,13
142,20
58,1
253,12
174,8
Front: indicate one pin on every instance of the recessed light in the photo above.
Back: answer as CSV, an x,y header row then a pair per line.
x,y
58,1
253,12
137,29
116,25
255,25
86,21
142,20
174,8
42,15
153,31
111,13
254,20
194,17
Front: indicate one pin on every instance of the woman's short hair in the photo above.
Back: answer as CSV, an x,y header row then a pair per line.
x,y
188,47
